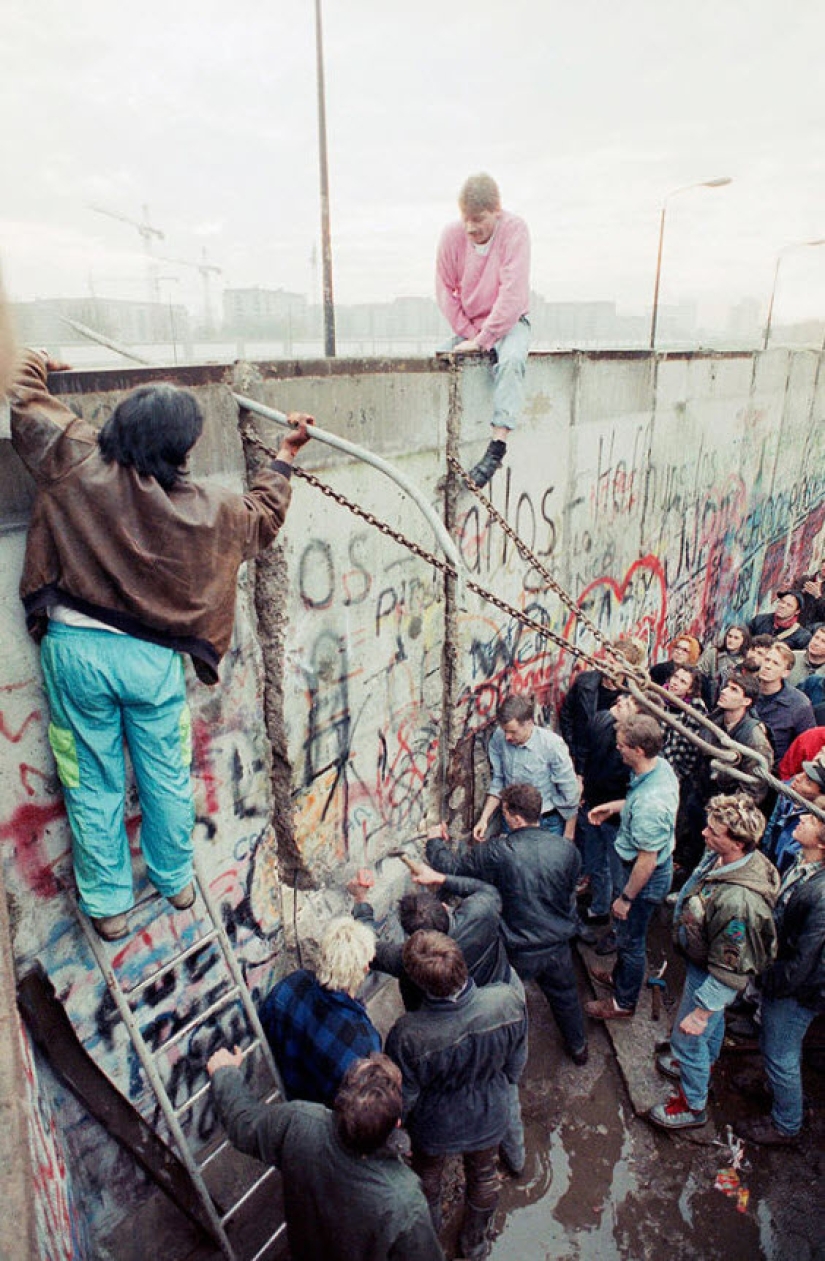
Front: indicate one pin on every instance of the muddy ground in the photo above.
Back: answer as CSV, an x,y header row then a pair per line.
x,y
600,1183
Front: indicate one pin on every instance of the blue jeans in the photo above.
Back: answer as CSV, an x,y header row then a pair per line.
x,y
600,861
508,373
550,822
512,1145
631,935
696,1054
784,1025
102,689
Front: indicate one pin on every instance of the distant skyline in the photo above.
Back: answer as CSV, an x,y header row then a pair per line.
x,y
588,115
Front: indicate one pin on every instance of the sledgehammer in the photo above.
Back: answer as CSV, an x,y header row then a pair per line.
x,y
657,985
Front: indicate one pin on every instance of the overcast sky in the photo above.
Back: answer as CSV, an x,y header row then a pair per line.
x,y
588,113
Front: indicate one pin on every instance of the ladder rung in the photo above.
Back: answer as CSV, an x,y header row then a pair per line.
x,y
270,1241
199,1094
230,996
171,963
222,1147
247,1195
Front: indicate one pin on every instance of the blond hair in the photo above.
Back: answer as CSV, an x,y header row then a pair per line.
x,y
347,948
740,816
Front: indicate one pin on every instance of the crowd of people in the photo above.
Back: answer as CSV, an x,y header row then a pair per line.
x,y
583,836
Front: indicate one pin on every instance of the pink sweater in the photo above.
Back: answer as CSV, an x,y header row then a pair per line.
x,y
484,295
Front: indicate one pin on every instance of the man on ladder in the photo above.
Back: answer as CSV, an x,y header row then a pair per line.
x,y
129,564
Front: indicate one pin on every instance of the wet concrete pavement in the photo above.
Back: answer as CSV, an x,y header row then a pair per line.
x,y
601,1184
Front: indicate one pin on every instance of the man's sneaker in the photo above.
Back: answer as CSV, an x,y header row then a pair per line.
x,y
183,900
490,462
677,1114
607,945
111,927
581,1056
608,1009
764,1132
667,1063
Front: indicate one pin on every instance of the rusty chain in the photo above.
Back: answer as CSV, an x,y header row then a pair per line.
x,y
724,753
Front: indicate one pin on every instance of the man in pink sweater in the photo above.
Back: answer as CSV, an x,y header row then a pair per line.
x,y
483,288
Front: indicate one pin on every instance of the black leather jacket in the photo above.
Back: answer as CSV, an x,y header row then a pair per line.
x,y
475,926
535,872
799,969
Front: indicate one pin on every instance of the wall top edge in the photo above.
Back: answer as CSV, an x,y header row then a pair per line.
x,y
106,379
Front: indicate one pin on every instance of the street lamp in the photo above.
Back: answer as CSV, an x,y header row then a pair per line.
x,y
718,183
326,245
795,245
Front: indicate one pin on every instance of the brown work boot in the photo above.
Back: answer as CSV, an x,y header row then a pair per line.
x,y
183,900
608,1009
764,1132
602,977
111,927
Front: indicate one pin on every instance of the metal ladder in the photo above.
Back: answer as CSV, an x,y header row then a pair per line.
x,y
237,992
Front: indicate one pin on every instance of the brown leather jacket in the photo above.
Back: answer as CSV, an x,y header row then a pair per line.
x,y
111,543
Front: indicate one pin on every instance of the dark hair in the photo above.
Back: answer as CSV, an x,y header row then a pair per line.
x,y
761,641
695,679
747,682
743,631
153,430
524,800
422,909
434,962
518,707
642,732
367,1106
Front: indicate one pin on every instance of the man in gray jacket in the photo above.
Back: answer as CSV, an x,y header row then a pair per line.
x,y
459,1055
345,1194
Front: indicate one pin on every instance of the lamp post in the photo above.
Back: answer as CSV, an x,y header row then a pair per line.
x,y
795,245
717,183
326,246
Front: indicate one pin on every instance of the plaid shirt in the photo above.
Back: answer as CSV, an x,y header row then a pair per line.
x,y
315,1035
682,755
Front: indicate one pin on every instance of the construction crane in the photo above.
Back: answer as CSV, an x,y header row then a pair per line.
x,y
206,270
146,232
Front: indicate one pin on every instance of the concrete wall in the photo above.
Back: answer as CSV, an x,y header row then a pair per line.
x,y
667,494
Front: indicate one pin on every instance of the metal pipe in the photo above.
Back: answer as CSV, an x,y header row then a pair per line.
x,y
442,537
109,342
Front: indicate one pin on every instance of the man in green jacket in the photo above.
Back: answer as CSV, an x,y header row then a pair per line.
x,y
346,1195
724,926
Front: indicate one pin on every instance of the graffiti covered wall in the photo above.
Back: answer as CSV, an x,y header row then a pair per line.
x,y
667,495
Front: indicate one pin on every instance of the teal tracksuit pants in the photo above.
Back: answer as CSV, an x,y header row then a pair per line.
x,y
103,689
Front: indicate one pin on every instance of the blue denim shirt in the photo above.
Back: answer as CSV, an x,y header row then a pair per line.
x,y
649,815
544,761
